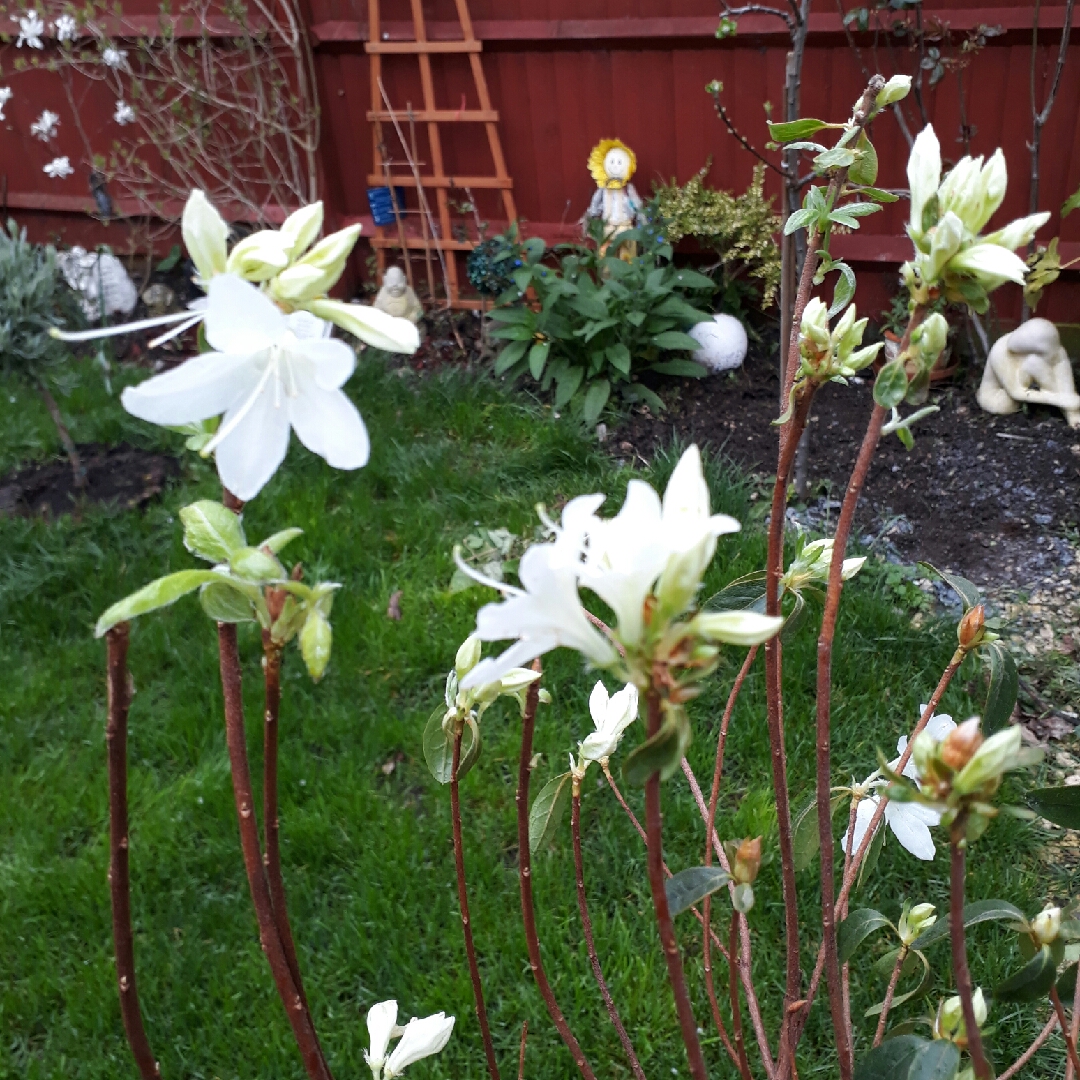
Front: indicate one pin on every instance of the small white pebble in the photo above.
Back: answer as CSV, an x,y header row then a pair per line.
x,y
303,783
199,800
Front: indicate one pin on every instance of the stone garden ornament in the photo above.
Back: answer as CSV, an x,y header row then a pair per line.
x,y
616,202
397,298
723,343
1029,366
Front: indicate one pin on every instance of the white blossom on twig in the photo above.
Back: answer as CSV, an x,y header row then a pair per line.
x,y
124,114
44,127
66,28
31,27
6,94
58,168
114,58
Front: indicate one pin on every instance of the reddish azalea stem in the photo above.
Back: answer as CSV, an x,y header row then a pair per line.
x,y
710,984
1075,1029
590,945
1070,1043
981,1066
1032,1050
521,1051
463,904
119,879
733,994
269,938
528,915
664,923
886,1005
271,824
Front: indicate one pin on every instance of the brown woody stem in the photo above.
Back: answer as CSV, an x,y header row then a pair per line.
x,y
1032,1050
78,470
303,1030
981,1066
119,879
528,914
733,995
521,1050
664,923
1070,1043
463,904
886,1005
590,945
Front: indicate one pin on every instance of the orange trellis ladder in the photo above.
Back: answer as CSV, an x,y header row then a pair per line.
x,y
445,242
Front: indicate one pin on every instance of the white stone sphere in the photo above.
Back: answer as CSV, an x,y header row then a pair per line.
x,y
723,343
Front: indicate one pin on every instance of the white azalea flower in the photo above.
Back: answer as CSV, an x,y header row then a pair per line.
x,y
124,113
6,95
382,1027
31,27
937,727
66,28
269,373
58,168
114,58
543,615
44,127
611,716
420,1039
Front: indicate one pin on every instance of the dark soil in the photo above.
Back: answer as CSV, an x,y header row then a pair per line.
x,y
990,497
120,476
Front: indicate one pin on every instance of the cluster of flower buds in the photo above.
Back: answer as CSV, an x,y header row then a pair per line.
x,y
949,1020
915,920
832,354
420,1038
473,701
947,217
611,716
811,567
744,858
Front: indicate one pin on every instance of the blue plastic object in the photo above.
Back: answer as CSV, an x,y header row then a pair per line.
x,y
382,204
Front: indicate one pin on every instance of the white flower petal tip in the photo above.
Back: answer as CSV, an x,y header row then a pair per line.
x,y
205,235
611,717
381,1022
420,1039
373,327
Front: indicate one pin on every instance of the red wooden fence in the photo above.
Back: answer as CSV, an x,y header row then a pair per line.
x,y
564,73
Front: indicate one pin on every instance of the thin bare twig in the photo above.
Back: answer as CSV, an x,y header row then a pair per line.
x,y
886,1005
1070,1043
982,1068
1032,1050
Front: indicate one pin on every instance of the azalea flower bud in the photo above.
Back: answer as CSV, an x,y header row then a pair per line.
x,y
923,754
735,627
381,1025
315,641
991,759
205,235
1019,233
914,920
949,1022
960,745
747,861
300,228
468,656
742,898
813,563
331,253
815,324
945,240
924,175
258,257
420,1039
929,338
1047,925
298,283
849,337
896,89
370,325
972,625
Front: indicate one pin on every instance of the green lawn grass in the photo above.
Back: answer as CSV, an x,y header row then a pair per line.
x,y
367,851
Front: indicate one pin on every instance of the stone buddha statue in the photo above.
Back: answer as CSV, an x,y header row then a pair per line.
x,y
397,298
1029,365
616,202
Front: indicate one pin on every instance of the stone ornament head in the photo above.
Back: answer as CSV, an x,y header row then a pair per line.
x,y
394,281
612,163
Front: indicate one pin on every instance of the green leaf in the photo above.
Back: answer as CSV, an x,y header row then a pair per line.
x,y
662,753
513,333
689,886
171,260
691,369
893,1059
1004,686
795,129
254,564
925,980
567,383
511,355
653,400
856,928
806,839
157,594
1071,203
549,807
691,279
1066,984
1032,981
470,750
938,1061
839,157
619,357
438,749
800,219
279,539
1061,805
595,399
865,169
879,194
517,315
744,592
979,911
675,340
225,603
845,288
967,591
891,384
538,355
211,531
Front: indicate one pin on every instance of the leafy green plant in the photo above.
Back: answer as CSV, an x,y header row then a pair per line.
x,y
33,299
740,229
492,261
597,322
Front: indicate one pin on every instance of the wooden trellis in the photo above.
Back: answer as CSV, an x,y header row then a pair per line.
x,y
388,173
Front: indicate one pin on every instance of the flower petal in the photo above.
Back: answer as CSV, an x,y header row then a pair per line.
x,y
910,824
864,814
328,424
202,387
249,455
375,327
333,361
239,318
598,705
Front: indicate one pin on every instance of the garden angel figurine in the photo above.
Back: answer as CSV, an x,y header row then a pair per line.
x,y
616,202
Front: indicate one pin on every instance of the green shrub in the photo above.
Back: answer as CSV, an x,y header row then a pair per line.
x,y
598,322
740,229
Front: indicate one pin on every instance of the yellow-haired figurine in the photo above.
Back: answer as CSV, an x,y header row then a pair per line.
x,y
616,203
